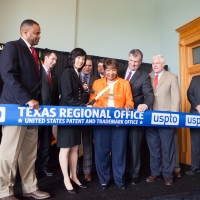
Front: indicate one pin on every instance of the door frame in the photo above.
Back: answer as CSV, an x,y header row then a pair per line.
x,y
189,38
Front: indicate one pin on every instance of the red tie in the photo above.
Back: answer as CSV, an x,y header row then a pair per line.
x,y
129,76
49,78
34,54
156,81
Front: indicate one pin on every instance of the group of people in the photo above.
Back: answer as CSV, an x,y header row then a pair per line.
x,y
28,82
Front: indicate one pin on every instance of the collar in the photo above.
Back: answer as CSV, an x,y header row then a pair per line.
x,y
159,74
128,70
76,71
102,76
28,45
45,68
86,75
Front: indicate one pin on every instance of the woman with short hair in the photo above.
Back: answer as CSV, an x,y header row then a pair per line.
x,y
111,138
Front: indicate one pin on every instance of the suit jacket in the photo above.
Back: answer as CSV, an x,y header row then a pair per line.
x,y
49,96
86,95
122,88
142,90
167,94
71,88
193,93
99,76
19,74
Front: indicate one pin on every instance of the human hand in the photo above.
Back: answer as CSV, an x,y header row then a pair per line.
x,y
85,86
141,107
127,107
198,108
34,104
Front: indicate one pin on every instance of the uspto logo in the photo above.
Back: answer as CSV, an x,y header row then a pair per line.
x,y
165,119
192,120
2,114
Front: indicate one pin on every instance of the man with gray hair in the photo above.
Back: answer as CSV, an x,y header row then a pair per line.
x,y
143,99
161,140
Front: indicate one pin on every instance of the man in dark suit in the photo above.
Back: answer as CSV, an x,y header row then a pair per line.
x,y
193,95
87,136
161,140
100,68
143,99
20,71
49,96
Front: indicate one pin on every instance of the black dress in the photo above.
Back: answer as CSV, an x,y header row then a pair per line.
x,y
71,95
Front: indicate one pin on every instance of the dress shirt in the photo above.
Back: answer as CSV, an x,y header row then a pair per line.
x,y
110,102
102,76
46,70
28,45
87,76
159,75
127,73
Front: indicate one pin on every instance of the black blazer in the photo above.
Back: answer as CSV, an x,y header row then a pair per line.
x,y
193,93
49,96
142,90
71,89
19,74
86,95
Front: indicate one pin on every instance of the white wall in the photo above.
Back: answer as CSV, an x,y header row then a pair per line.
x,y
57,21
174,14
111,28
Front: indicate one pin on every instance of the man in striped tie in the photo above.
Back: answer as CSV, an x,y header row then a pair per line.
x,y
143,99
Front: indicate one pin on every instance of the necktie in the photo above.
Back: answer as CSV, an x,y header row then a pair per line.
x,y
49,78
156,81
34,54
84,79
129,76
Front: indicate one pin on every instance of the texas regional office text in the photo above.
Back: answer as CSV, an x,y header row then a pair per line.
x,y
65,115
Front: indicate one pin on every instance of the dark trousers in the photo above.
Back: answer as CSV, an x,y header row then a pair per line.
x,y
135,135
87,138
161,144
195,147
44,150
110,139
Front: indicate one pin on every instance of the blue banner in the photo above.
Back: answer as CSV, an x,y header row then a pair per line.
x,y
76,116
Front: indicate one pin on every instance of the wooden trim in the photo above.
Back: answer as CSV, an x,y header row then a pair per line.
x,y
189,38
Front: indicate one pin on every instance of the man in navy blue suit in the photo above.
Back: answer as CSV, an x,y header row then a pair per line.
x,y
20,71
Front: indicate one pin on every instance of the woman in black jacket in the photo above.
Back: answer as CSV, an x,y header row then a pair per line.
x,y
69,137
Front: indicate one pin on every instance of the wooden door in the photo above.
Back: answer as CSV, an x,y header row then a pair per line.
x,y
189,44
